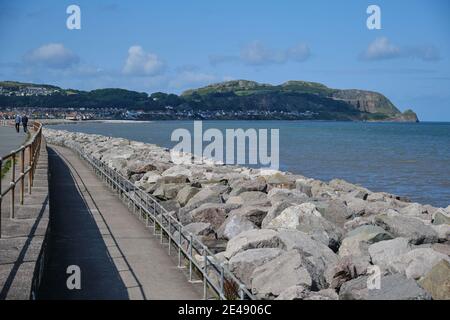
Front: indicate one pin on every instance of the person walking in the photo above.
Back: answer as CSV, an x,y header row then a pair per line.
x,y
25,122
18,119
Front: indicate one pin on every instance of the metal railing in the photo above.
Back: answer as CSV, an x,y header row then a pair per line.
x,y
216,278
8,164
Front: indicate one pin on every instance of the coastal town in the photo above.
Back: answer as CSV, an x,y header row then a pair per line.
x,y
169,113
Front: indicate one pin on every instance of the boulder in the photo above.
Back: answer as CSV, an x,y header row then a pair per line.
x,y
437,281
442,248
417,262
355,246
383,253
199,228
443,231
235,225
212,213
273,277
306,218
170,205
255,214
240,186
334,210
279,180
205,195
302,293
285,195
244,263
255,198
274,212
167,191
392,287
303,186
322,261
177,171
408,227
441,217
252,239
415,209
180,179
185,194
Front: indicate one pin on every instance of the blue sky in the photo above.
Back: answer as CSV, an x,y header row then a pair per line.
x,y
173,45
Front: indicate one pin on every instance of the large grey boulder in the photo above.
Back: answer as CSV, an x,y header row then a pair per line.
x,y
306,218
334,210
255,198
303,186
244,263
408,227
392,287
322,261
205,195
185,194
279,180
355,246
437,281
417,262
240,186
213,213
235,225
274,212
383,253
441,217
167,191
177,171
302,293
443,231
255,214
286,195
252,239
272,278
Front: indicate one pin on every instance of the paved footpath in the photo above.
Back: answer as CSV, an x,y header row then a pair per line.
x,y
118,256
10,140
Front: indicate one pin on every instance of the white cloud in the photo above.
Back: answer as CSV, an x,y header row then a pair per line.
x,y
52,55
141,63
382,49
257,53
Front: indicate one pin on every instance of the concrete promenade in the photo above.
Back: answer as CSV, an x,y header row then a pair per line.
x,y
90,227
10,140
23,237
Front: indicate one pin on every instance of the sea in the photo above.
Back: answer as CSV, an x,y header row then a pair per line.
x,y
407,159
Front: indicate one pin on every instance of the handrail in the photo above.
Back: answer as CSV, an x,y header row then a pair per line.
x,y
214,274
33,147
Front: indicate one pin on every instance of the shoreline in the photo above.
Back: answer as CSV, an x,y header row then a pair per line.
x,y
254,221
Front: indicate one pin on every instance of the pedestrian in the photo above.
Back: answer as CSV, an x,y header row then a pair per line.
x,y
24,122
18,119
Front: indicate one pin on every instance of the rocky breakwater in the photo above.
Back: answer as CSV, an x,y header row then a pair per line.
x,y
286,236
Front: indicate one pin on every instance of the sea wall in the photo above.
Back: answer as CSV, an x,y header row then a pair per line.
x,y
286,236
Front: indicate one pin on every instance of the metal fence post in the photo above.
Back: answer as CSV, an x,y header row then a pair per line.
x,y
221,280
29,171
190,257
13,184
22,174
205,272
179,246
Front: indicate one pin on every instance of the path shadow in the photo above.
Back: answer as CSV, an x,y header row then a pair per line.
x,y
75,239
